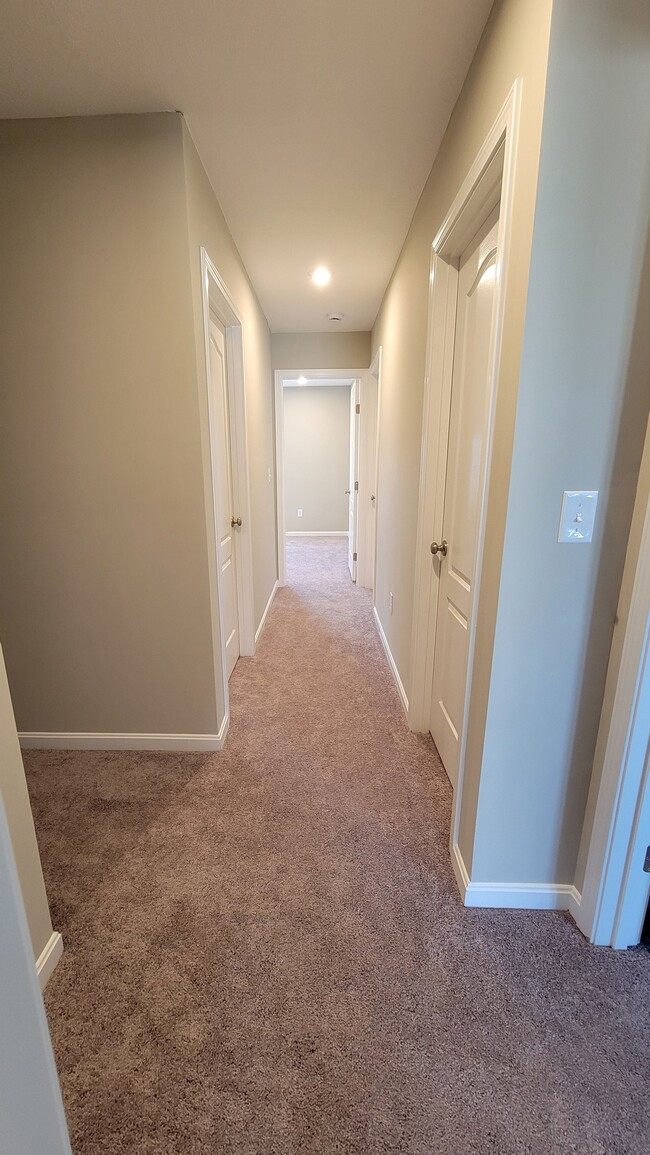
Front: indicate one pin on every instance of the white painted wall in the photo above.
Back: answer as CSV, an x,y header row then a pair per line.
x,y
316,458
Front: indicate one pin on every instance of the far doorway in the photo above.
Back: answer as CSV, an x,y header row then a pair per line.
x,y
326,436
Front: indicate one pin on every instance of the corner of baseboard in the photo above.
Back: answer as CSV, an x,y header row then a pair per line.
x,y
258,632
391,662
49,958
460,870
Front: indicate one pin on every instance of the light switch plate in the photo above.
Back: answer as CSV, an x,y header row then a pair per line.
x,y
578,515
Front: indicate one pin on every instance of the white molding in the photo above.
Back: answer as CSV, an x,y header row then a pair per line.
x,y
575,902
37,740
391,661
512,895
48,958
266,612
317,533
279,375
521,895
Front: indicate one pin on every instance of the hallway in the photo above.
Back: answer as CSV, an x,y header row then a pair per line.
x,y
265,950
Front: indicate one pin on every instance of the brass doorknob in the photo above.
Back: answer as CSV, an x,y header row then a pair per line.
x,y
441,549
235,521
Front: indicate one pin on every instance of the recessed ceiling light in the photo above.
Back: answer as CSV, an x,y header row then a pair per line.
x,y
321,276
302,380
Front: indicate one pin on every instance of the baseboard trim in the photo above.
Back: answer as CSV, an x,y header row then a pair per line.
x,y
89,741
575,900
317,533
513,895
265,615
48,958
391,662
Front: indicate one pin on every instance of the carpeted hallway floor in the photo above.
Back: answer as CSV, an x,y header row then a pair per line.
x,y
266,952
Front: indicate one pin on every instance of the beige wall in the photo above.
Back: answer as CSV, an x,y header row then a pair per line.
x,y
316,458
514,45
104,564
581,417
13,790
207,228
320,350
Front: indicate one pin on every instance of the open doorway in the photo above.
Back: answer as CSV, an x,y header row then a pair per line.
x,y
326,437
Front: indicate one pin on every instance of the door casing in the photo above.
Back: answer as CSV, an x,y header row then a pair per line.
x,y
218,303
490,182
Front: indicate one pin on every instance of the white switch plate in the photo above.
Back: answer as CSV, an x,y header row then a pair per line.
x,y
578,515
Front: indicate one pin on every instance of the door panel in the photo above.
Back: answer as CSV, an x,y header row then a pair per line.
x,y
223,497
470,396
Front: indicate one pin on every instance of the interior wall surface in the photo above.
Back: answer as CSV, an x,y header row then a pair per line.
x,y
13,790
581,418
514,46
104,602
320,350
316,446
207,227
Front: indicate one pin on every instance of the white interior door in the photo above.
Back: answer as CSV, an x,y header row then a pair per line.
x,y
223,497
469,408
353,492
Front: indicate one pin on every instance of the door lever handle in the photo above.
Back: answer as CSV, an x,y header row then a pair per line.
x,y
235,521
441,549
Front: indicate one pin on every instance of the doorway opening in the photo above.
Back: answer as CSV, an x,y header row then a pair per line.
x,y
227,486
326,462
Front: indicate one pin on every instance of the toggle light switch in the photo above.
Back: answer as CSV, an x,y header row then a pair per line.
x,y
578,515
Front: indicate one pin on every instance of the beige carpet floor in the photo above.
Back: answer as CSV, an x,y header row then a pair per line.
x,y
265,950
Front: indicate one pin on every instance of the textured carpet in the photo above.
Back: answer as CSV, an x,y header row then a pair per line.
x,y
266,952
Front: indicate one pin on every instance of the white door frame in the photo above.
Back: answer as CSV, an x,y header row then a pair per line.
x,y
610,910
368,481
280,376
489,182
218,303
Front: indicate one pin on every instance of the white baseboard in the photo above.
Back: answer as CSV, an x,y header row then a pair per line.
x,y
48,958
575,900
512,895
317,533
266,612
391,662
88,741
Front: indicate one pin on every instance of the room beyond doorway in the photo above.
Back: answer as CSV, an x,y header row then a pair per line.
x,y
326,453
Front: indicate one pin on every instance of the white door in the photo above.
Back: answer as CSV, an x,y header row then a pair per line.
x,y
353,491
470,398
223,497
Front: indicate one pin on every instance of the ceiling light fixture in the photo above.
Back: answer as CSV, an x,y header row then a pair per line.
x,y
302,380
321,276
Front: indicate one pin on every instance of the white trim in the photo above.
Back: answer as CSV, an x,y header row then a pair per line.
x,y
48,958
375,371
88,741
218,303
266,612
391,661
279,375
521,895
617,843
317,533
512,895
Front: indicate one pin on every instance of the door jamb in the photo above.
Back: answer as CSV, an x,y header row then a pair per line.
x,y
489,182
218,303
281,375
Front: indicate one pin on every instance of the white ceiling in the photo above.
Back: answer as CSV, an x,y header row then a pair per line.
x,y
317,120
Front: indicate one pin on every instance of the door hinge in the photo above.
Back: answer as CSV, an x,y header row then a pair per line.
x,y
358,407
354,557
356,487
